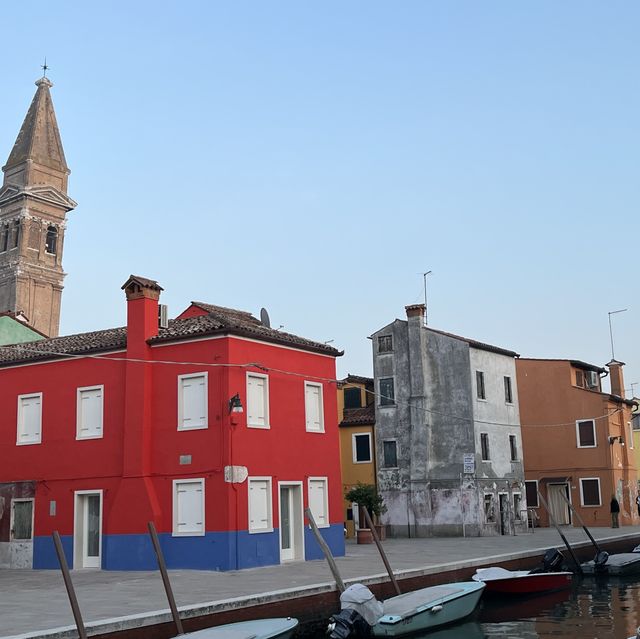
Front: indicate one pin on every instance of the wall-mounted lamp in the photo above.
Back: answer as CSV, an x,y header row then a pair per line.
x,y
235,405
616,438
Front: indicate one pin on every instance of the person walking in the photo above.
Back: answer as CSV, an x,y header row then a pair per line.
x,y
638,503
615,511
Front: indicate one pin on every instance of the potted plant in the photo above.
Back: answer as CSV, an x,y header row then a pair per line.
x,y
366,496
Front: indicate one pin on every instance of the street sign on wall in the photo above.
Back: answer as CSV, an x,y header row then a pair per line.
x,y
469,463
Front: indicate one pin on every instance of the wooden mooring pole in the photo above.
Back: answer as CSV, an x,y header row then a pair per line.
x,y
566,543
374,533
66,575
165,577
584,526
326,550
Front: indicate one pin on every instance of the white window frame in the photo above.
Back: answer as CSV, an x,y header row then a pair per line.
x,y
599,504
267,418
269,527
320,407
12,522
327,523
20,429
480,375
79,392
176,484
355,450
181,378
535,481
595,433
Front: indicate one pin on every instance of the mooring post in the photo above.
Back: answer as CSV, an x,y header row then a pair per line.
x,y
374,533
584,527
66,575
566,543
326,550
165,577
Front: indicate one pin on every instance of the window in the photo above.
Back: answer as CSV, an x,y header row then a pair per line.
x,y
361,445
517,506
489,510
29,419
15,234
319,501
21,519
89,411
480,390
313,407
513,447
484,446
508,393
590,491
390,453
352,398
192,401
260,508
385,344
387,395
586,433
257,400
579,378
51,243
188,507
5,237
531,487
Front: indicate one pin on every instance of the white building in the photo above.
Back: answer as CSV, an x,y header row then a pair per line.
x,y
448,442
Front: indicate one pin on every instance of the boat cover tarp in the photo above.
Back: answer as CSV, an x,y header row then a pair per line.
x,y
359,598
255,629
407,605
495,572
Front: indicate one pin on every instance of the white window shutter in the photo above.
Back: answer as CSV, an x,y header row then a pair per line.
x,y
30,418
194,401
259,516
313,407
189,511
91,407
318,501
256,399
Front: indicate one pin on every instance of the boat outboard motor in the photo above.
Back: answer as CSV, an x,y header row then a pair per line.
x,y
600,560
360,610
551,562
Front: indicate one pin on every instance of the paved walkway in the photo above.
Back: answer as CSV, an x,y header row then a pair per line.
x,y
34,601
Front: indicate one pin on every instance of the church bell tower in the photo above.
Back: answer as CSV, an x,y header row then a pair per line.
x,y
33,208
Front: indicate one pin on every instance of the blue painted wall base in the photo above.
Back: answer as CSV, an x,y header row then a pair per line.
x,y
212,551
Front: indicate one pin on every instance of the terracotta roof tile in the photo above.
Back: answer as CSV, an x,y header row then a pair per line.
x,y
359,416
219,320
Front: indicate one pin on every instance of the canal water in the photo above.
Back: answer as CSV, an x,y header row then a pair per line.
x,y
592,609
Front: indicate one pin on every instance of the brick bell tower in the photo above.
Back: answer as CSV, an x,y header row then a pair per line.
x,y
33,208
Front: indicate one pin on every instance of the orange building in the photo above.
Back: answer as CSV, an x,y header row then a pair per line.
x,y
356,418
577,441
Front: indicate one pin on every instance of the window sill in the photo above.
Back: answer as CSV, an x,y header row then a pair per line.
x,y
481,399
368,461
39,441
185,428
83,437
387,405
590,446
317,432
261,531
189,534
259,426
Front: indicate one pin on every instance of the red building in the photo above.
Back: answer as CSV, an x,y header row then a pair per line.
x,y
103,432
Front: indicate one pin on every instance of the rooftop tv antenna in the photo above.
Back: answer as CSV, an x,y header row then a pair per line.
x,y
264,317
424,275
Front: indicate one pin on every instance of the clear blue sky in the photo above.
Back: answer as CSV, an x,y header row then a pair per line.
x,y
314,158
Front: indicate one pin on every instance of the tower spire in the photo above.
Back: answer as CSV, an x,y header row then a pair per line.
x,y
33,208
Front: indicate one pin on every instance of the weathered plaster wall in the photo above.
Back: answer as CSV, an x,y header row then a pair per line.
x,y
494,412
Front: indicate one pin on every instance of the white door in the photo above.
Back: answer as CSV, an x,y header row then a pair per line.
x,y
88,530
291,523
21,539
557,505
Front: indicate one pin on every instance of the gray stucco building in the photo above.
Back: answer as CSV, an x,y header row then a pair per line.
x,y
448,441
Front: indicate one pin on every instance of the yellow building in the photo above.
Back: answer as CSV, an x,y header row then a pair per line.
x,y
356,416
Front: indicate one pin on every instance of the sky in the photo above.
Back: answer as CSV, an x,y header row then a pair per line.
x,y
315,158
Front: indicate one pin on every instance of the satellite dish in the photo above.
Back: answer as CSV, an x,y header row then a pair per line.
x,y
264,318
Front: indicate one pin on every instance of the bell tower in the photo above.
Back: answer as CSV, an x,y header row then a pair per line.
x,y
33,208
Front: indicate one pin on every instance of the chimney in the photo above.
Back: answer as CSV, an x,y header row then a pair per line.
x,y
142,310
416,310
616,377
